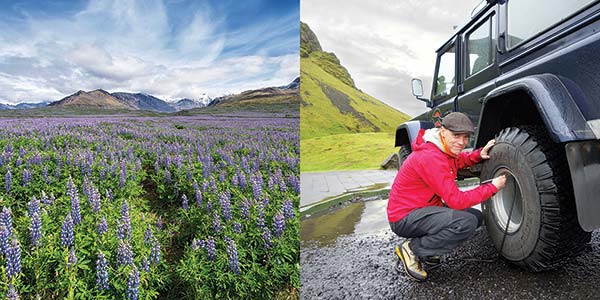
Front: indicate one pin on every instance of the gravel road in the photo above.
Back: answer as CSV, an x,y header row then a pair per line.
x,y
362,266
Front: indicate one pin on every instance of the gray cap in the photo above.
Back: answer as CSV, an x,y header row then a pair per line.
x,y
458,123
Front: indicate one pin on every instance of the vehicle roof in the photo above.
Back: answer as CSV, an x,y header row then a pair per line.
x,y
469,22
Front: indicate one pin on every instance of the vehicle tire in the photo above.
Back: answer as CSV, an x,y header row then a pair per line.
x,y
543,227
403,153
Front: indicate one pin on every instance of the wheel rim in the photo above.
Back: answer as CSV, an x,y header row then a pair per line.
x,y
502,201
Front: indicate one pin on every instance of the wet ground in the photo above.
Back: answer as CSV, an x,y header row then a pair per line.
x,y
348,254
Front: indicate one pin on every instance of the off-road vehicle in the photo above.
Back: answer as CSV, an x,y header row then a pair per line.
x,y
527,73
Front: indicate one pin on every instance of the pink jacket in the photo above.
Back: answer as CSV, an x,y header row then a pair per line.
x,y
427,176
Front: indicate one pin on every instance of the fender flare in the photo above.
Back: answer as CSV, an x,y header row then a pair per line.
x,y
555,104
407,132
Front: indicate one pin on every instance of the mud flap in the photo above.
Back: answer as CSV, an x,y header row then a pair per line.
x,y
584,164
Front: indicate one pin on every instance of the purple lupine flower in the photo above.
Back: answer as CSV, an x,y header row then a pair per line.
x,y
225,205
26,177
124,224
34,206
260,216
234,181
245,209
184,202
167,176
195,186
197,244
294,182
159,223
45,200
216,224
242,180
148,236
75,206
102,226
12,293
8,180
85,186
72,260
209,206
233,257
155,253
288,209
133,284
95,200
122,175
256,189
265,201
101,272
145,265
237,227
13,259
66,232
213,184
211,249
278,224
198,198
45,175
124,254
109,195
35,229
4,240
267,238
271,184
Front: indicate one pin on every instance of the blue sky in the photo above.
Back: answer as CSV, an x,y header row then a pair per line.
x,y
168,48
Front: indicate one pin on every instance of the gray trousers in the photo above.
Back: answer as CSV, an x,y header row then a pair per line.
x,y
436,230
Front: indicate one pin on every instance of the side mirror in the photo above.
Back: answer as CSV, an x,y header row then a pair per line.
x,y
417,90
417,87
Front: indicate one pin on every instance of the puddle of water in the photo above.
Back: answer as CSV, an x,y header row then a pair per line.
x,y
356,218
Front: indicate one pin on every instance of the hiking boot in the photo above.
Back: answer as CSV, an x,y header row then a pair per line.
x,y
432,261
411,263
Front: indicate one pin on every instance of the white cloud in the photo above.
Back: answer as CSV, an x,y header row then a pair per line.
x,y
131,46
385,43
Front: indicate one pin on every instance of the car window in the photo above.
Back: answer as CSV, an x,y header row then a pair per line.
x,y
445,75
527,18
479,48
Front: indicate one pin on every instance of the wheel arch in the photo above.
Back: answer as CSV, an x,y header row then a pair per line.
x,y
537,99
407,132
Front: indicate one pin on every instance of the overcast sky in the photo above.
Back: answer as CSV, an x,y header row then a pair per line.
x,y
168,48
385,43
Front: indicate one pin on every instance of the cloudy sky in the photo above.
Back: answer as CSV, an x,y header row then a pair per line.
x,y
168,48
385,43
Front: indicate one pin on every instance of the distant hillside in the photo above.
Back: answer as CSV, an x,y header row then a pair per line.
x,y
331,103
272,99
94,99
141,101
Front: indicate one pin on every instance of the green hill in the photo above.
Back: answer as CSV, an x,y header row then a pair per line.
x,y
331,103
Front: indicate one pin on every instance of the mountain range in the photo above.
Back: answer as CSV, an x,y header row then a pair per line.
x,y
101,99
104,100
331,102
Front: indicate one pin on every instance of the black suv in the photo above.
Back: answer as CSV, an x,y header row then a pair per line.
x,y
527,73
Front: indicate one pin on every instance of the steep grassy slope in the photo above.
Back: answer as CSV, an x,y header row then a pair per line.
x,y
331,104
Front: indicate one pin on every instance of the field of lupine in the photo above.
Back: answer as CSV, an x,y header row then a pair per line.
x,y
149,208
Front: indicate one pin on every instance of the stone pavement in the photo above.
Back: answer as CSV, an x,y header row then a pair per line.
x,y
316,186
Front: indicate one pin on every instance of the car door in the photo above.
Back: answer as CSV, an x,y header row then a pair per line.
x,y
478,65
